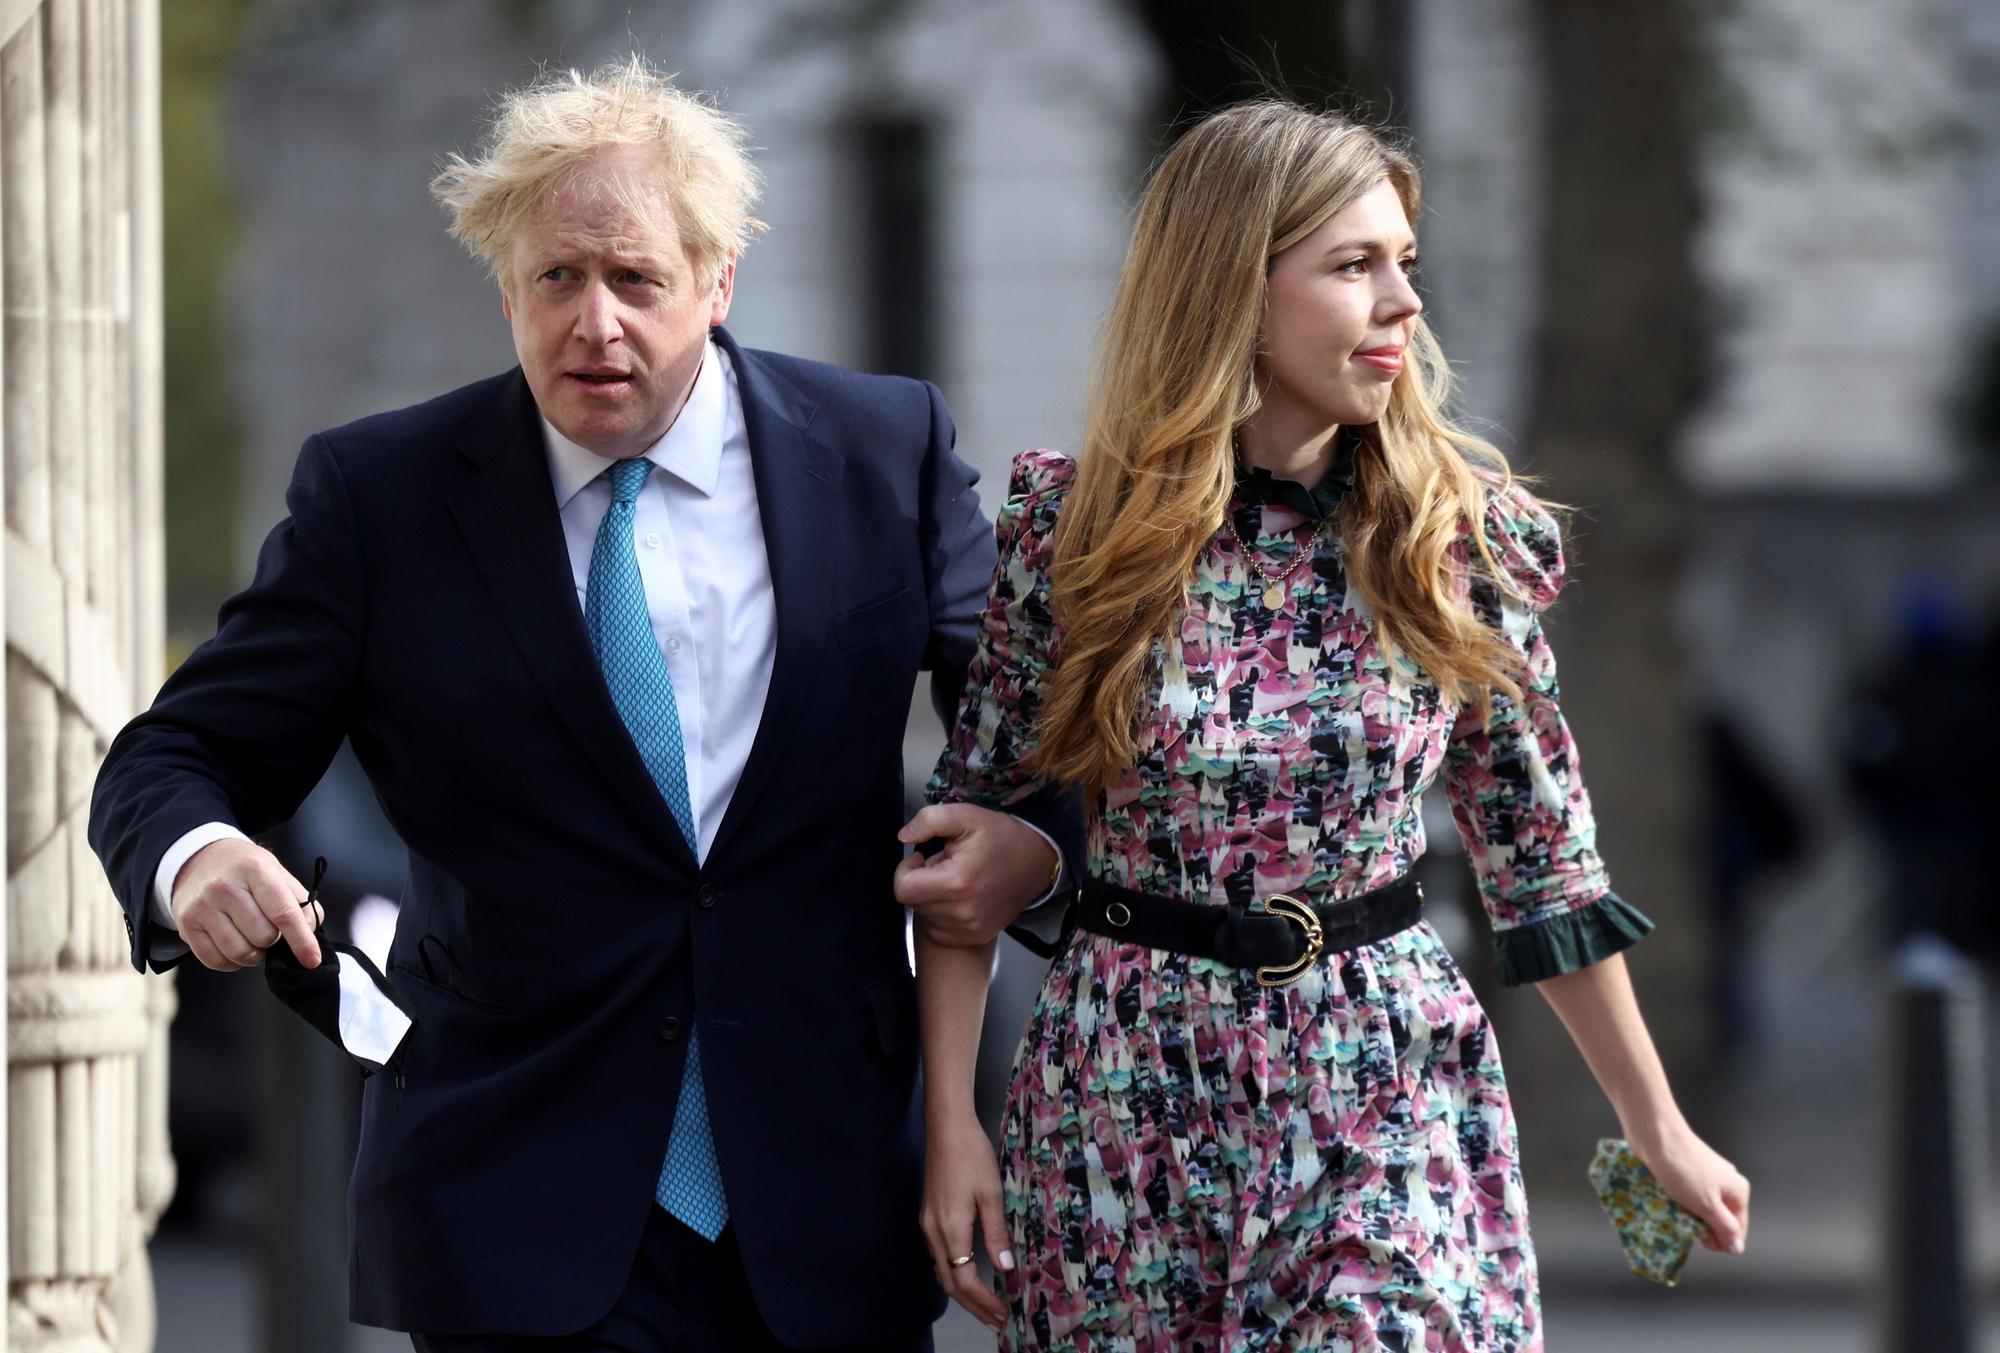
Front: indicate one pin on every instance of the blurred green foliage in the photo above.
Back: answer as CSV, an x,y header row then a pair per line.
x,y
198,42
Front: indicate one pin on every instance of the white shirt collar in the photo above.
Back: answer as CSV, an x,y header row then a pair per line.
x,y
690,450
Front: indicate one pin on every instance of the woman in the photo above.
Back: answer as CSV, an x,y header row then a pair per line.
x,y
1256,1105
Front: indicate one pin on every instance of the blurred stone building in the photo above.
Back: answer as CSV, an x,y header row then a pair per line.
x,y
946,187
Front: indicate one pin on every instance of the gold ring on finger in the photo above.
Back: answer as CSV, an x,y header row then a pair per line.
x,y
961,1261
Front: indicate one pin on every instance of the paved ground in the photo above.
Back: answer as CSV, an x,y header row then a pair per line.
x,y
206,1307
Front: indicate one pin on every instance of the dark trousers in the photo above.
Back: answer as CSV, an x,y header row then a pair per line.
x,y
685,1295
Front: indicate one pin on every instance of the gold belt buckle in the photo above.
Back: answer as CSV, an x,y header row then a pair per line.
x,y
1283,904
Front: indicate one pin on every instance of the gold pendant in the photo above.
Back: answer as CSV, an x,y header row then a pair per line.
x,y
1274,597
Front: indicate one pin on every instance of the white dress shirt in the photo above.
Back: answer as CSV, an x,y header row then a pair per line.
x,y
700,543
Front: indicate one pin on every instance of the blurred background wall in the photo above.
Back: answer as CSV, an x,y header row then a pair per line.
x,y
1725,272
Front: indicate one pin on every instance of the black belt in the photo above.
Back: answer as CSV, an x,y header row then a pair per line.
x,y
1281,939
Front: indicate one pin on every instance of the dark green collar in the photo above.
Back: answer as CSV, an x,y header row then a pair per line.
x,y
1254,484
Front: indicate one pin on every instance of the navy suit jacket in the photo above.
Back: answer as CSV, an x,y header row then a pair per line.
x,y
557,939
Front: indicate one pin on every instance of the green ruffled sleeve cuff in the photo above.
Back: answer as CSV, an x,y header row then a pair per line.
x,y
1570,940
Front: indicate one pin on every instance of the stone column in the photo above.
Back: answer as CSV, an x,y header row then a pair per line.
x,y
87,1169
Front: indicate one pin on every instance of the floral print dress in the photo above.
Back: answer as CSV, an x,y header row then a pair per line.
x,y
1192,1161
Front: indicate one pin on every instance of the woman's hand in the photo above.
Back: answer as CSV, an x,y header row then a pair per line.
x,y
1701,1181
961,1187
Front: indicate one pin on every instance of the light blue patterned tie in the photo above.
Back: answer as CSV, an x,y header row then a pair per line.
x,y
621,632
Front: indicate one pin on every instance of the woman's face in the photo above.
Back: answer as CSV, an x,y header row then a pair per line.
x,y
1338,312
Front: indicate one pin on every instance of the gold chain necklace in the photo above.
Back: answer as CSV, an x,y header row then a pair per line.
x,y
1276,585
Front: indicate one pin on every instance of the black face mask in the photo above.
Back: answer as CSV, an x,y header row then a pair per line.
x,y
346,997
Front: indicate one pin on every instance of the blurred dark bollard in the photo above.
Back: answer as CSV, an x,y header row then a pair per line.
x,y
1934,1078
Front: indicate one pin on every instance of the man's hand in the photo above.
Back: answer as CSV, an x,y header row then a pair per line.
x,y
233,900
992,866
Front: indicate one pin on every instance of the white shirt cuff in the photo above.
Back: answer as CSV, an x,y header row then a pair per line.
x,y
178,854
1062,874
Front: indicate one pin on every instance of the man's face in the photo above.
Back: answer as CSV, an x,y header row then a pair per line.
x,y
608,311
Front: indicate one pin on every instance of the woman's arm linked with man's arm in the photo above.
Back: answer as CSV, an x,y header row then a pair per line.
x,y
961,1174
991,862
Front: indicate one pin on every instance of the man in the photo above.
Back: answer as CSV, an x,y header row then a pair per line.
x,y
624,639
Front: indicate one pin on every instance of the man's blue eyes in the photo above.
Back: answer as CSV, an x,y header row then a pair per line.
x,y
631,277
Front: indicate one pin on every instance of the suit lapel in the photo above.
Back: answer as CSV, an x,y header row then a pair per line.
x,y
798,494
507,514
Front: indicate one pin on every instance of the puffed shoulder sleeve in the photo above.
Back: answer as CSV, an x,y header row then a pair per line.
x,y
991,741
1516,789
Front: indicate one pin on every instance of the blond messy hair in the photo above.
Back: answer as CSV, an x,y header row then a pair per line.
x,y
545,131
1176,377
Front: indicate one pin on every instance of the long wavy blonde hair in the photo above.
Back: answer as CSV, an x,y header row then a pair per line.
x,y
1174,380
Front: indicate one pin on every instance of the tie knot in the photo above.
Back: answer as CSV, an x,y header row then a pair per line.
x,y
627,477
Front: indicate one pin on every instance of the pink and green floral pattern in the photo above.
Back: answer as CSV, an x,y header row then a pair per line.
x,y
1658,1233
1193,1162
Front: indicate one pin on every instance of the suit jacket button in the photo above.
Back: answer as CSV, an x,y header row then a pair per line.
x,y
670,1029
705,896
